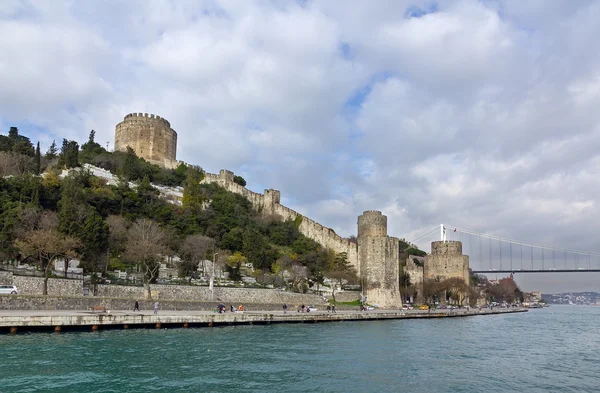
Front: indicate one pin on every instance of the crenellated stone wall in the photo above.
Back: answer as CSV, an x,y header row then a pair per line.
x,y
150,136
446,260
269,204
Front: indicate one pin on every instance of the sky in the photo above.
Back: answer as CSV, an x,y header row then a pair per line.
x,y
478,114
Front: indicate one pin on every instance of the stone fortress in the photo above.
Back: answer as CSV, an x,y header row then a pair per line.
x,y
150,136
375,255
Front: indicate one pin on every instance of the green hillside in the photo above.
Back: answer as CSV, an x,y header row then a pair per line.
x,y
118,226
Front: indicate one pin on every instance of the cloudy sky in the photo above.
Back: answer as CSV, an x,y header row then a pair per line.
x,y
481,114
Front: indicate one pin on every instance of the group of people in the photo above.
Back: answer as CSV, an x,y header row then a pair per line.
x,y
136,306
331,308
303,308
221,308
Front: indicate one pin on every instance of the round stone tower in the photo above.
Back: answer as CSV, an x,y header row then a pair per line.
x,y
372,223
446,261
150,136
378,256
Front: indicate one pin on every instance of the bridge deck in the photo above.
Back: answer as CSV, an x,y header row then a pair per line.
x,y
536,271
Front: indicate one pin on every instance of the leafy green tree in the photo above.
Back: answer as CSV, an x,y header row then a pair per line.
x,y
130,169
233,240
258,250
69,154
234,265
94,239
52,151
283,233
38,159
239,180
91,148
191,190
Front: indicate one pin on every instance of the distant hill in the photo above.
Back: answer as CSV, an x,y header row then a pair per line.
x,y
579,298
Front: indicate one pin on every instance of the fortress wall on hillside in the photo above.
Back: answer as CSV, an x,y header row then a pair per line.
x,y
269,204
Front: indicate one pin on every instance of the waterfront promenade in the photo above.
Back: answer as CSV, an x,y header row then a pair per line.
x,y
14,321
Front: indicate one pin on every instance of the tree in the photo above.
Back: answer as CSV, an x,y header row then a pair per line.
x,y
457,288
117,233
239,180
94,238
192,251
52,151
234,265
46,245
146,246
431,290
69,154
278,268
130,166
38,160
191,191
91,149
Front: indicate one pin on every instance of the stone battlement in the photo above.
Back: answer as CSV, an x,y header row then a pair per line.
x,y
150,136
146,117
449,247
372,223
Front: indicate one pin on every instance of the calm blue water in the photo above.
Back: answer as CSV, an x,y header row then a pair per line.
x,y
550,350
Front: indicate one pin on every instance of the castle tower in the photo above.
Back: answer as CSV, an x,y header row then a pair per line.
x,y
446,261
378,258
150,136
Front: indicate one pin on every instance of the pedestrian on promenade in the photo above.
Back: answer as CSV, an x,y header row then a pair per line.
x,y
284,308
136,306
155,307
231,308
333,308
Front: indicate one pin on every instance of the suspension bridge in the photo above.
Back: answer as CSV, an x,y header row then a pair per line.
x,y
495,254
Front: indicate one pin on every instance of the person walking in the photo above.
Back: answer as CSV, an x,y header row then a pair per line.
x,y
156,307
136,306
333,308
284,308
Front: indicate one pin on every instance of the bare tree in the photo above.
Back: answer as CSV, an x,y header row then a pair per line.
x,y
12,163
192,251
146,246
46,245
299,275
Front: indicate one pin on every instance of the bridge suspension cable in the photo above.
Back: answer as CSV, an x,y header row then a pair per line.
x,y
538,246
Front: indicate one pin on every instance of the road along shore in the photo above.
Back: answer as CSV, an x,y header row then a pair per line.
x,y
18,321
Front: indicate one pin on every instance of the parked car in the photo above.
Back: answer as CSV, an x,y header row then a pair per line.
x,y
8,290
424,307
312,308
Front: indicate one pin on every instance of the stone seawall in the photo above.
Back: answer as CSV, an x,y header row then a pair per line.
x,y
31,285
221,294
18,302
62,287
269,204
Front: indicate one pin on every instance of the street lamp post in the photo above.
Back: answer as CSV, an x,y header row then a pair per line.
x,y
212,277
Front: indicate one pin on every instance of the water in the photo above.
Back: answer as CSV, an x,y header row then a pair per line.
x,y
548,350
